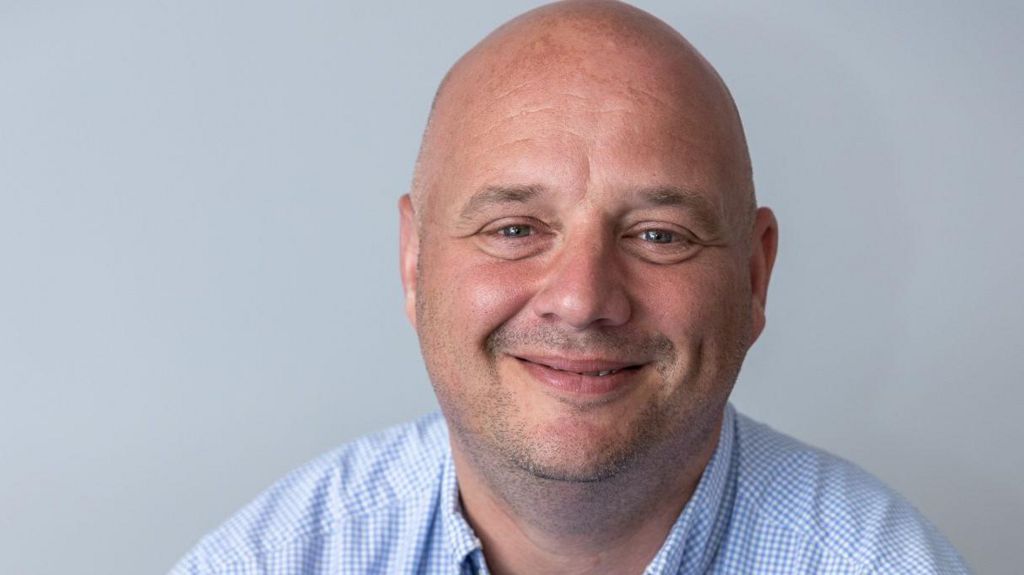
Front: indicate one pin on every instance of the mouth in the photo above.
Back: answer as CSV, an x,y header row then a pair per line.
x,y
591,377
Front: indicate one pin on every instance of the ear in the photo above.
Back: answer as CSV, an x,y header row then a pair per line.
x,y
763,247
409,248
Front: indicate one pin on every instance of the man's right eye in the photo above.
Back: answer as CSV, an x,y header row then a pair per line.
x,y
514,238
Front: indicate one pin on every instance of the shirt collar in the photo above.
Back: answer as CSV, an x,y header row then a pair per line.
x,y
461,539
690,545
693,540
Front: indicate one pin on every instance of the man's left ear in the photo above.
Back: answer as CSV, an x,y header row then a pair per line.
x,y
409,251
763,247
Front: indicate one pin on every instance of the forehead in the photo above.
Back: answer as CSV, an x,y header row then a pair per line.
x,y
577,135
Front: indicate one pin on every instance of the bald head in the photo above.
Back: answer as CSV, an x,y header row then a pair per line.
x,y
583,192
605,51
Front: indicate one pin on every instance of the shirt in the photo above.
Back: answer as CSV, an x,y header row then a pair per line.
x,y
389,503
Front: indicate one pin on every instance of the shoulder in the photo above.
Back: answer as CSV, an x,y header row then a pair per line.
x,y
375,479
836,513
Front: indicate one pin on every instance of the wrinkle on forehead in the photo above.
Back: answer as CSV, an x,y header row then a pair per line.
x,y
600,55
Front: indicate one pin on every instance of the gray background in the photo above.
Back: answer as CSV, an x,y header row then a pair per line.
x,y
198,249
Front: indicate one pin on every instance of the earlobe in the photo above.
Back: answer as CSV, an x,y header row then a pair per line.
x,y
409,254
763,248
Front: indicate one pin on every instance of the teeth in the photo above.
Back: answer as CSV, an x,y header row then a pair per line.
x,y
592,373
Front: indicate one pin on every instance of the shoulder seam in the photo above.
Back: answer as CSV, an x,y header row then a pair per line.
x,y
243,555
297,536
819,539
805,534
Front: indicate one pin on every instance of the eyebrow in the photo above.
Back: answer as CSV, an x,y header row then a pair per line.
x,y
695,203
662,196
497,195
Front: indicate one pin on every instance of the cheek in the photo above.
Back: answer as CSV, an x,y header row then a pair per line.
x,y
691,303
472,295
491,294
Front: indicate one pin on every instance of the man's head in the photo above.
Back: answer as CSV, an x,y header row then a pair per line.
x,y
581,252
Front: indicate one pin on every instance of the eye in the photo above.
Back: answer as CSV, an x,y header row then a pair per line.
x,y
658,236
514,238
659,243
515,231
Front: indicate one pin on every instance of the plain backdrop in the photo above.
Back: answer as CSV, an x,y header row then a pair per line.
x,y
199,285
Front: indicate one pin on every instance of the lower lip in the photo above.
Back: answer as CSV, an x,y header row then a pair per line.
x,y
575,383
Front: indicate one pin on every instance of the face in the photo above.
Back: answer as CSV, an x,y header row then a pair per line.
x,y
583,284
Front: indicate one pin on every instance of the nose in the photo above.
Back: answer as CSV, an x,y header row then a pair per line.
x,y
584,286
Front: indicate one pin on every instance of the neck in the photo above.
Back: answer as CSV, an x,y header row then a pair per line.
x,y
529,524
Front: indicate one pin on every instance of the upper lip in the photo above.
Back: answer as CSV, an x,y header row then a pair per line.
x,y
580,365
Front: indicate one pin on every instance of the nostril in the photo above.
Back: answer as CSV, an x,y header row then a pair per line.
x,y
582,287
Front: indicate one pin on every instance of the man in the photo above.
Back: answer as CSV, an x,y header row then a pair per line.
x,y
586,267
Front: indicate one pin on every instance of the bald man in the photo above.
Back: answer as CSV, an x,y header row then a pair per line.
x,y
586,267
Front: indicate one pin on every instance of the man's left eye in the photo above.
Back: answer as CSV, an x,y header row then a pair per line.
x,y
661,245
658,236
515,231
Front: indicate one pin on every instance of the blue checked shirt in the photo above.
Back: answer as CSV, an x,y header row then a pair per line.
x,y
389,503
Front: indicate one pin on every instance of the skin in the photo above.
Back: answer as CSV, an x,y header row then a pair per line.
x,y
583,201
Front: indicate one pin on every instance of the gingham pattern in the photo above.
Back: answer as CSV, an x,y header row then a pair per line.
x,y
388,504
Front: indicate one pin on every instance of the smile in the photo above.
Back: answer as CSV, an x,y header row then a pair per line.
x,y
589,377
599,373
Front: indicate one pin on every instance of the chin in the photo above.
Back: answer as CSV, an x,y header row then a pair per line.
x,y
578,472
577,449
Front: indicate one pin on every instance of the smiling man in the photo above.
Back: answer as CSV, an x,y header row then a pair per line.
x,y
586,267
